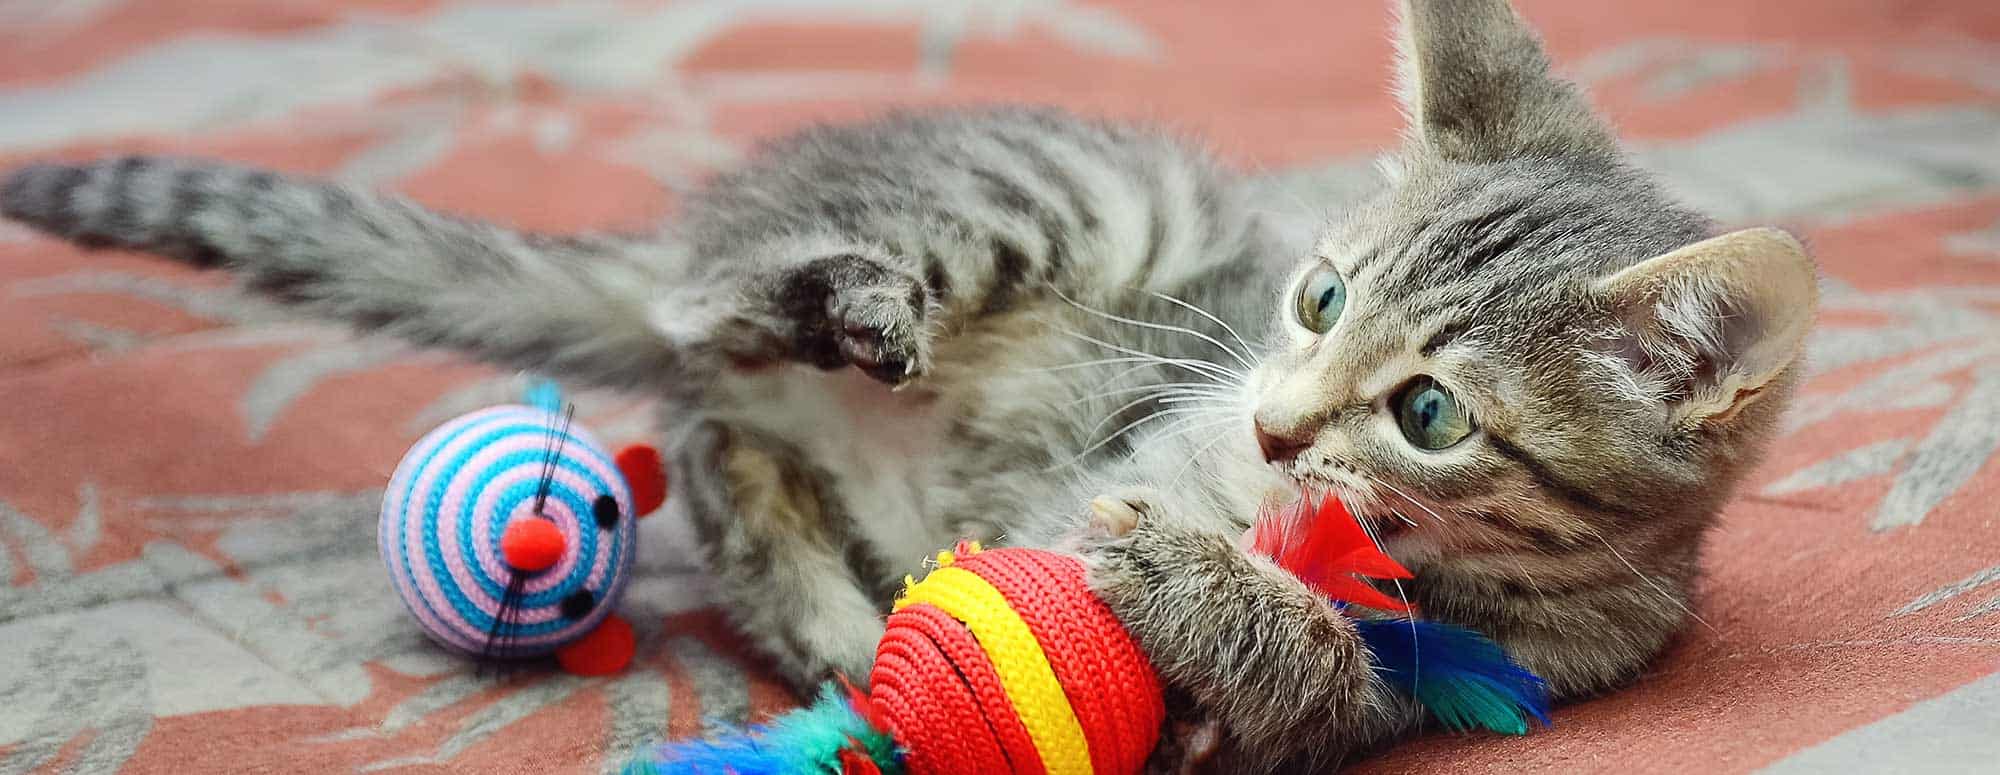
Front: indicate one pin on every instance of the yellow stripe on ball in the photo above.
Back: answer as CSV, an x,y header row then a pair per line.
x,y
1017,658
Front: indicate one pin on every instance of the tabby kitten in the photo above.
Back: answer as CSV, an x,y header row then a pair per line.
x,y
1534,374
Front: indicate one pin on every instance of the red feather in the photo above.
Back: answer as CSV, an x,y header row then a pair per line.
x,y
1327,549
855,761
863,707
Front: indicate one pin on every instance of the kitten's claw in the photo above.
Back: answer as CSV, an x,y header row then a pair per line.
x,y
1118,517
1114,516
884,350
852,310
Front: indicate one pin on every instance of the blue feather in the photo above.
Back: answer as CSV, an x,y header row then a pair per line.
x,y
807,741
1461,677
544,394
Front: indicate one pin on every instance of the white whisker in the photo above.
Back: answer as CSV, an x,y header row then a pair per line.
x,y
1199,453
1149,360
1192,423
1217,423
1207,387
1121,431
1241,358
1209,369
1537,589
1129,370
1113,414
1370,530
1198,398
1416,651
1413,501
1655,585
1187,425
1247,349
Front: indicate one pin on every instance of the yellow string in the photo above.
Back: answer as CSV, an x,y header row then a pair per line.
x,y
1017,658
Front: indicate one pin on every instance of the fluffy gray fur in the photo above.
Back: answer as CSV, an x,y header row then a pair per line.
x,y
875,339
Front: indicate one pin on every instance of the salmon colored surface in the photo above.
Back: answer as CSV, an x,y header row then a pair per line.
x,y
189,479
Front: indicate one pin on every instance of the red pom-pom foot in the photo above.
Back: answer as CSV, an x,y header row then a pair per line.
x,y
605,651
647,474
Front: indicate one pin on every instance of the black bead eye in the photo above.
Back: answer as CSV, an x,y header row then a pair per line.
x,y
578,604
605,509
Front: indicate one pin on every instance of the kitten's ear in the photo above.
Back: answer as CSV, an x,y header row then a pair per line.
x,y
1476,86
1709,325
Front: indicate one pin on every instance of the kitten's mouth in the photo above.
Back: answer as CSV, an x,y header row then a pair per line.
x,y
1383,527
1379,521
1369,510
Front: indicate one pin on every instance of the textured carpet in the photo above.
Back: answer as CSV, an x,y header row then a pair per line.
x,y
188,480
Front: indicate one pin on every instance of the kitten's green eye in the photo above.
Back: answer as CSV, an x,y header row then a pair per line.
x,y
1321,299
1430,416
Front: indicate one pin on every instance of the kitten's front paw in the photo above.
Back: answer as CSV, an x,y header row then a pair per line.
x,y
1127,544
852,310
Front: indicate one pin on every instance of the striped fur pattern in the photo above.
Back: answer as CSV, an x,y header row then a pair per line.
x,y
875,339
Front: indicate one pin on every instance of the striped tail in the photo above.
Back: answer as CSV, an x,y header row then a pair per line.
x,y
574,307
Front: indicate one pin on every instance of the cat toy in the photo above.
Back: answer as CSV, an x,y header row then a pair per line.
x,y
1002,662
1464,680
509,533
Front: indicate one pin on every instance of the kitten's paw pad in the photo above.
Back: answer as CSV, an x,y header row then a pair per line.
x,y
852,310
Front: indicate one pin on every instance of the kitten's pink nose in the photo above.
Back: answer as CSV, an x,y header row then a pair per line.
x,y
1278,447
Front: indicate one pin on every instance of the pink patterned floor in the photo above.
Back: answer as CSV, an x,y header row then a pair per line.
x,y
188,480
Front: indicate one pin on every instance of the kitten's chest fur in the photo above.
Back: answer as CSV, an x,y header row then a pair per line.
x,y
1009,435
884,453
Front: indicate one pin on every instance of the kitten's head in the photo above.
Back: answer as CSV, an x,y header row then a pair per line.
x,y
1522,334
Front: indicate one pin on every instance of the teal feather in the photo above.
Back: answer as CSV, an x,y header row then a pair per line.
x,y
544,394
807,741
1463,679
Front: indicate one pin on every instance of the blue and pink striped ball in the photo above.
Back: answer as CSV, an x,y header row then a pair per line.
x,y
451,499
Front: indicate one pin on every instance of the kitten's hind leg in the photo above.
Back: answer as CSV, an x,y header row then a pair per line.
x,y
778,553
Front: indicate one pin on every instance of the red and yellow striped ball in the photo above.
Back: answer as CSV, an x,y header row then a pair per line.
x,y
1002,662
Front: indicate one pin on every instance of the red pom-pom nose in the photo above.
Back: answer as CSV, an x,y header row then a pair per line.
x,y
531,544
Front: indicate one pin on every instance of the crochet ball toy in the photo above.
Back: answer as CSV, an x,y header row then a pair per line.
x,y
508,533
997,662
1002,662
1013,642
